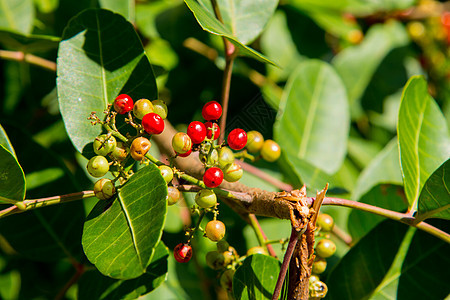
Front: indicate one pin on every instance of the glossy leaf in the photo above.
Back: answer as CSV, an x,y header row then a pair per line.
x,y
5,142
384,168
93,285
423,137
244,18
434,200
256,277
378,42
99,57
12,179
119,238
313,121
17,15
209,23
123,7
27,42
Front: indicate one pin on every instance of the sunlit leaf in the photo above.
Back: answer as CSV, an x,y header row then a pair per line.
x,y
124,7
5,142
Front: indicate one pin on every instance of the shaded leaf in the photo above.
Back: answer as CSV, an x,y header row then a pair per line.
x,y
434,200
313,121
12,179
119,238
256,277
94,67
423,137
28,42
123,7
17,15
362,151
5,142
93,285
209,23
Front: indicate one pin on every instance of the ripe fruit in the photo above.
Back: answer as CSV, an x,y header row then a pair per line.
x,y
182,252
98,166
181,143
166,172
325,222
232,172
325,248
213,177
139,147
197,132
212,130
212,111
120,152
257,250
104,144
226,157
205,198
215,230
153,123
270,151
123,104
104,189
255,141
319,265
173,195
237,139
185,154
142,107
160,108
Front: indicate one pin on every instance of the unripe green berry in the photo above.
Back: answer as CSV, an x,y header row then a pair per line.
x,y
317,289
173,195
104,144
232,172
120,152
104,189
313,278
226,280
222,245
215,260
255,141
226,157
206,198
325,222
257,250
325,248
141,108
160,108
210,159
181,143
215,230
98,166
319,265
270,151
166,172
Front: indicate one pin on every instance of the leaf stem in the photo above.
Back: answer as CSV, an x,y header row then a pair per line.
x,y
260,235
197,225
29,58
79,271
264,176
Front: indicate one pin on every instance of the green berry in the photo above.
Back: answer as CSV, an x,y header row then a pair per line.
x,y
222,245
313,278
257,250
226,157
206,198
325,222
317,289
181,143
139,147
232,172
255,141
141,108
104,189
166,172
160,108
325,248
270,151
210,159
173,195
120,152
215,230
98,166
319,265
104,144
215,260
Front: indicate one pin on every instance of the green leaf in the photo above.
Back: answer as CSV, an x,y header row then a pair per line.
x,y
5,142
99,57
245,19
93,285
423,137
209,23
28,42
313,121
386,196
124,7
362,151
17,15
119,238
256,277
12,179
384,168
378,42
434,200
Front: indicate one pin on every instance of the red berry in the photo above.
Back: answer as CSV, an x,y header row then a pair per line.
x,y
153,123
210,128
184,154
123,104
197,132
213,177
182,253
237,139
212,111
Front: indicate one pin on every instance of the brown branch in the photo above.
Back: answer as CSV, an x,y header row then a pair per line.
x,y
29,58
264,176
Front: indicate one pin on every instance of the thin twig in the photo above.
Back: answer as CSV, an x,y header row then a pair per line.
x,y
79,271
260,235
29,58
342,235
264,176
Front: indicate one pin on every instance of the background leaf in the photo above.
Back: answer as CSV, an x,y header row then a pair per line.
x,y
423,137
313,121
434,200
99,57
5,142
17,15
119,238
256,277
27,42
12,179
124,7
